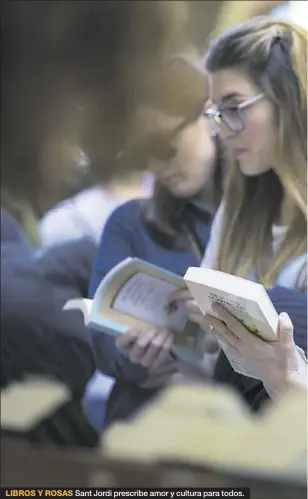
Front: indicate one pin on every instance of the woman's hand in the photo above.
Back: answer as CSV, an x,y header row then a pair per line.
x,y
149,348
278,364
184,295
210,346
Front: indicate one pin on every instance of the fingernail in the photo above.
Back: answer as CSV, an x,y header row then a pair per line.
x,y
285,322
285,316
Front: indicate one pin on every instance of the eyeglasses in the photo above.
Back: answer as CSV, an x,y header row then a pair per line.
x,y
231,116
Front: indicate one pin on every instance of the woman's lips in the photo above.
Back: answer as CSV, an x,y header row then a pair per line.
x,y
239,152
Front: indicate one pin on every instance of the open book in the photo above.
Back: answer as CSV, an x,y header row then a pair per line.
x,y
246,300
137,292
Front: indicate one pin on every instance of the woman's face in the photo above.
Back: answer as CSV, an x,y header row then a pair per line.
x,y
190,165
253,146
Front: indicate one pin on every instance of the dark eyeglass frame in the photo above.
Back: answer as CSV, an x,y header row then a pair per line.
x,y
216,114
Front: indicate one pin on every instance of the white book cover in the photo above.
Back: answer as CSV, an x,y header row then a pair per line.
x,y
246,300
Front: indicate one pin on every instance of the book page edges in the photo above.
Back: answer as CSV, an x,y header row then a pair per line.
x,y
268,310
112,284
83,304
225,282
103,325
257,296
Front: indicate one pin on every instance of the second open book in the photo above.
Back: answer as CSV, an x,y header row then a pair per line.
x,y
137,292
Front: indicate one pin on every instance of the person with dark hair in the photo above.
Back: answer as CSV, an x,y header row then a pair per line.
x,y
80,69
187,160
77,216
171,228
37,339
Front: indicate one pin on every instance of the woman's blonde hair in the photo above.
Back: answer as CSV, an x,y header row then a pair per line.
x,y
273,53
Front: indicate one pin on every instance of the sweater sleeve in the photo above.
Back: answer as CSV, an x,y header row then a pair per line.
x,y
119,241
294,303
70,263
36,336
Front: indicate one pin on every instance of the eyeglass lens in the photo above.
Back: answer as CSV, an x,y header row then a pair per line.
x,y
232,119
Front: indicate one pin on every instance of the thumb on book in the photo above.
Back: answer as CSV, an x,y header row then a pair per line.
x,y
286,330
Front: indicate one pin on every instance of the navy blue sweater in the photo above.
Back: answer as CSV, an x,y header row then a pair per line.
x,y
36,335
126,235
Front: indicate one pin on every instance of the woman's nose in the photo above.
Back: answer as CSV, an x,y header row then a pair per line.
x,y
225,132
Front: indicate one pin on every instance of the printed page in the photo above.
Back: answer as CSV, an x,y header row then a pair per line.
x,y
145,297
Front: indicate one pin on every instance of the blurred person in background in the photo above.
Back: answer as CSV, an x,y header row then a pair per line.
x,y
78,102
52,55
170,229
36,337
73,100
73,74
85,214
49,70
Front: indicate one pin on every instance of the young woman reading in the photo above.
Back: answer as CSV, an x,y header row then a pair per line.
x,y
258,88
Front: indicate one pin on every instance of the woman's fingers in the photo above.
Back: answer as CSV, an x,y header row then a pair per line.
x,y
193,307
234,325
288,349
143,340
164,354
179,295
219,329
285,331
149,348
247,343
156,347
126,340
